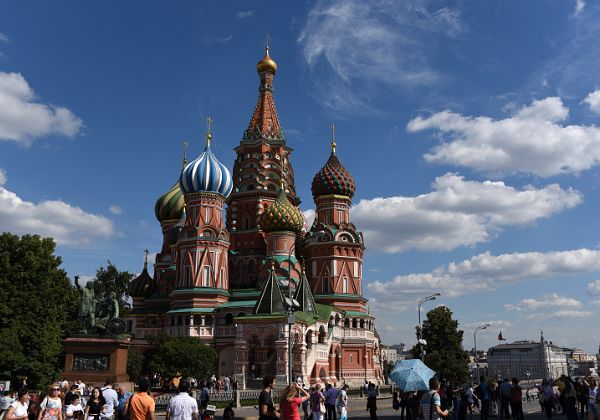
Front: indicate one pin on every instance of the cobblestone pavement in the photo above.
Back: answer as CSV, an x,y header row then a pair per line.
x,y
357,409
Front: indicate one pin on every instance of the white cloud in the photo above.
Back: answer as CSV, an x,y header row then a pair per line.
x,y
485,272
579,6
2,177
457,213
309,216
114,209
68,225
4,37
23,120
593,288
375,43
562,314
494,324
593,100
530,141
547,301
246,14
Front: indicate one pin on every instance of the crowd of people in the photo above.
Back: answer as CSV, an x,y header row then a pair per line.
x,y
503,399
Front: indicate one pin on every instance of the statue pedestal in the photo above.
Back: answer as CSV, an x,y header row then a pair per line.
x,y
95,360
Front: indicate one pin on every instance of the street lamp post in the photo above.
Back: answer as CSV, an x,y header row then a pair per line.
x,y
419,333
480,328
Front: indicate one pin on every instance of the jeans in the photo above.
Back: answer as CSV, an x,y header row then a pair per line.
x,y
485,409
517,410
504,413
331,415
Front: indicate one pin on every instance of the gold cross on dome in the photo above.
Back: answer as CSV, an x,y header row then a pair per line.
x,y
208,135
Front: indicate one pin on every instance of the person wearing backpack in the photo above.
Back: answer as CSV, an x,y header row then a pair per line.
x,y
569,394
483,393
516,401
204,397
430,406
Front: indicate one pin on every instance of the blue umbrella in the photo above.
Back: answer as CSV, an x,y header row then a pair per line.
x,y
412,375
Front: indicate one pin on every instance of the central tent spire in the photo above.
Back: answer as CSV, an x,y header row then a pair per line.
x,y
264,124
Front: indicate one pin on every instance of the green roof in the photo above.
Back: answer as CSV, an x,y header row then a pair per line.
x,y
356,313
245,293
323,313
342,296
191,311
280,315
238,304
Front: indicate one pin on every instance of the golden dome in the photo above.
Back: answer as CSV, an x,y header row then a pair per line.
x,y
266,63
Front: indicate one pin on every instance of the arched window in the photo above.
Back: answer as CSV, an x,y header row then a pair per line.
x,y
208,320
347,322
246,222
309,339
354,323
362,323
322,334
240,274
241,314
228,318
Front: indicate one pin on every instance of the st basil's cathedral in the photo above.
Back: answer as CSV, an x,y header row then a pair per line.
x,y
229,282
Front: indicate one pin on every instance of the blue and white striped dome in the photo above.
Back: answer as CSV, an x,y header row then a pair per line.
x,y
206,174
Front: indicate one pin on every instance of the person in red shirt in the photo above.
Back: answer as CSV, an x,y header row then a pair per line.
x,y
291,398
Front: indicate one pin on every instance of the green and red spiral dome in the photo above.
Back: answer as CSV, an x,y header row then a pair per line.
x,y
333,178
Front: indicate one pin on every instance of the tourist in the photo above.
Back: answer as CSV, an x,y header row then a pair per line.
x,y
123,399
505,398
74,410
96,406
266,408
51,407
182,406
5,401
516,402
112,400
483,393
81,387
226,385
204,397
593,399
342,403
372,401
430,407
70,395
396,400
141,405
331,396
471,398
569,396
548,397
291,398
228,413
19,408
317,400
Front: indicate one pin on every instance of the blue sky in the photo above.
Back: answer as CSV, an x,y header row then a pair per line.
x,y
470,127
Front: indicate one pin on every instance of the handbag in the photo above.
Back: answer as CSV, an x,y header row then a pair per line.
x,y
322,408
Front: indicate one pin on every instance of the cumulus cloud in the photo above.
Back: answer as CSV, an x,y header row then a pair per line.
x,y
246,14
114,209
457,213
23,120
377,43
579,6
68,225
533,140
593,100
485,272
593,288
547,301
562,314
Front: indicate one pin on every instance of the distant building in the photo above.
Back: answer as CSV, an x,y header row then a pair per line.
x,y
390,355
527,360
580,363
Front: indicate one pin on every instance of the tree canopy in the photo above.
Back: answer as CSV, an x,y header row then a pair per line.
x,y
180,356
110,280
444,352
38,308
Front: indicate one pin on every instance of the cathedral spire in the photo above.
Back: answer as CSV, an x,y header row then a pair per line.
x,y
264,123
333,139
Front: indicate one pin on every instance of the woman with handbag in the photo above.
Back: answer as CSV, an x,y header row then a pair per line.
x,y
51,407
18,409
317,403
96,406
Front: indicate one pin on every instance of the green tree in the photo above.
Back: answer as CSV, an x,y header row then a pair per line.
x,y
444,352
38,309
180,356
135,362
110,280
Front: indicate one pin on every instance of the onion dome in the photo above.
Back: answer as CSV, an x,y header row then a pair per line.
x,y
282,215
206,174
143,285
266,63
169,206
333,178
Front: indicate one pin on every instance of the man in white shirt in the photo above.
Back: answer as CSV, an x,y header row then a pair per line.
x,y
81,387
182,406
112,400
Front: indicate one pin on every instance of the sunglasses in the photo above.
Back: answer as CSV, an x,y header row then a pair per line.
x,y
55,389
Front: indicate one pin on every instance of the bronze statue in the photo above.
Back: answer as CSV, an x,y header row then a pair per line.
x,y
98,316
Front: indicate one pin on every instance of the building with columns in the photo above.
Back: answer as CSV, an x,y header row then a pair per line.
x,y
237,251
